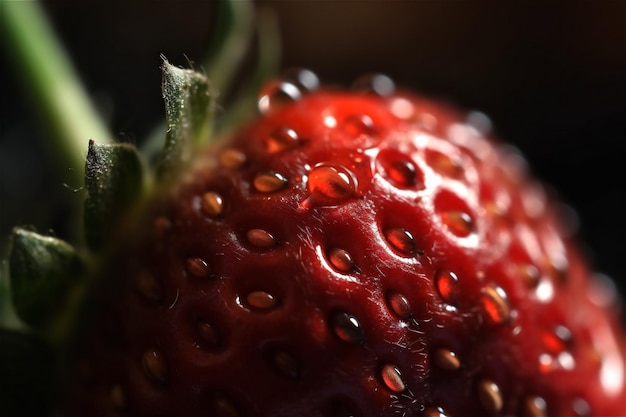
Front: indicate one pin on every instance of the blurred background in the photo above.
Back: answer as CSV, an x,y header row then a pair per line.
x,y
551,75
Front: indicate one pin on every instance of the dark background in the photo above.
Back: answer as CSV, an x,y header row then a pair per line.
x,y
551,75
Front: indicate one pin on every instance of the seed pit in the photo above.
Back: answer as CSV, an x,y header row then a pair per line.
x,y
399,305
458,222
261,300
341,260
401,240
535,407
398,169
447,285
489,396
446,165
148,286
392,378
232,159
331,183
434,412
285,363
198,267
269,181
118,398
347,328
212,204
207,336
260,238
358,124
495,304
455,215
446,359
281,139
154,365
530,275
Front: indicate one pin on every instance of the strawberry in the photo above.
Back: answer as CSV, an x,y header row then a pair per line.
x,y
350,253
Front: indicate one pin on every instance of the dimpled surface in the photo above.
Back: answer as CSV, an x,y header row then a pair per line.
x,y
352,254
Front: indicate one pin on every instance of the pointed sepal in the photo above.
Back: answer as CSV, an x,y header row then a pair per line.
x,y
114,181
43,271
189,108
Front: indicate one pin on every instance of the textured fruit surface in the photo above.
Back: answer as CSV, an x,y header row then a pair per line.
x,y
351,254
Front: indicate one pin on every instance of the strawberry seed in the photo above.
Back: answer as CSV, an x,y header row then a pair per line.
x,y
447,285
458,222
489,396
402,240
399,305
154,365
118,398
495,304
212,204
347,328
331,182
392,378
434,412
260,238
282,139
341,260
269,181
148,286
261,300
198,267
232,159
446,359
535,407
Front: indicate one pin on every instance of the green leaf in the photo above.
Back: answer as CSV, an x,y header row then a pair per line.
x,y
114,181
189,107
43,271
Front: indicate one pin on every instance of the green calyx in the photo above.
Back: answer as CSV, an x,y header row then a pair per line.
x,y
48,279
189,111
114,180
47,276
44,271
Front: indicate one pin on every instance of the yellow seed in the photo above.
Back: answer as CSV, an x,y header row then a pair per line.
x,y
212,204
489,396
260,238
446,359
261,300
392,378
232,159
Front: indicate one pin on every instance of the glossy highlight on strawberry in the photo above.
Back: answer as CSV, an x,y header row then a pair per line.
x,y
350,253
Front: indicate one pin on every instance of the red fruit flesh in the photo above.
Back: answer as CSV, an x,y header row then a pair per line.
x,y
352,255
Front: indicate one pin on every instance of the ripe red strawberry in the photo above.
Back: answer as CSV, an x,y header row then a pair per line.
x,y
350,254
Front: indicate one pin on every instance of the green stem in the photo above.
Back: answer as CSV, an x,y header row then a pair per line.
x,y
265,66
232,36
51,81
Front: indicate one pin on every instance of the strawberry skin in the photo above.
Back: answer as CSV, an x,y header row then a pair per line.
x,y
351,254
